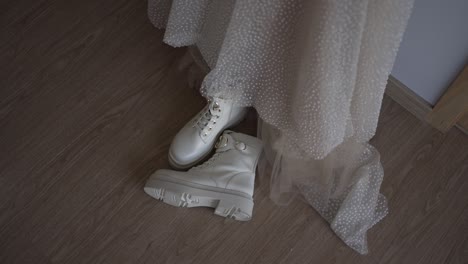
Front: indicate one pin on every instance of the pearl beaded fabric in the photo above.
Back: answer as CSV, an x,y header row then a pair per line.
x,y
315,71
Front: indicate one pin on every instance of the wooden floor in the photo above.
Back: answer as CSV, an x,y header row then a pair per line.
x,y
90,98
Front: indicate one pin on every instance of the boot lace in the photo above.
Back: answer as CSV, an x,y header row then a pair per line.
x,y
208,117
221,143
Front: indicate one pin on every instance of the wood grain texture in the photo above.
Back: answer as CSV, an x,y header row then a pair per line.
x,y
453,105
463,124
90,99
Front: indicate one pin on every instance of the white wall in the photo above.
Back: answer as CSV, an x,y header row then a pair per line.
x,y
434,48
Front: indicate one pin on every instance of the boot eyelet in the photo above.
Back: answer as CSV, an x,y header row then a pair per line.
x,y
240,146
222,142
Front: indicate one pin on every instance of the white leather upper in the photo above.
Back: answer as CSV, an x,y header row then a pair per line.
x,y
232,167
196,139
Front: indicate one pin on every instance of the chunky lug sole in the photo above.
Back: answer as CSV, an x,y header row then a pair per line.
x,y
230,204
178,166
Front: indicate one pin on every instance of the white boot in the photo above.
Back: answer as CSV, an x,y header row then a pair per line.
x,y
224,182
196,139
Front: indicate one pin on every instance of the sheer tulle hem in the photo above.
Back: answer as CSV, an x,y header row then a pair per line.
x,y
343,187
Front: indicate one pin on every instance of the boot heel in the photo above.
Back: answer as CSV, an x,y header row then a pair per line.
x,y
239,209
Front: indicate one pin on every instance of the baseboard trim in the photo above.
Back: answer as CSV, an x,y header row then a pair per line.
x,y
412,102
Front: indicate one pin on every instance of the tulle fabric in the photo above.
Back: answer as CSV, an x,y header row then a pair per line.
x,y
315,71
343,187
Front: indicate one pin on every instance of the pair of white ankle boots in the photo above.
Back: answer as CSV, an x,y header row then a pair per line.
x,y
225,181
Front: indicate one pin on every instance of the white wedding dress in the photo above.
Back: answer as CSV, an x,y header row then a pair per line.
x,y
315,71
